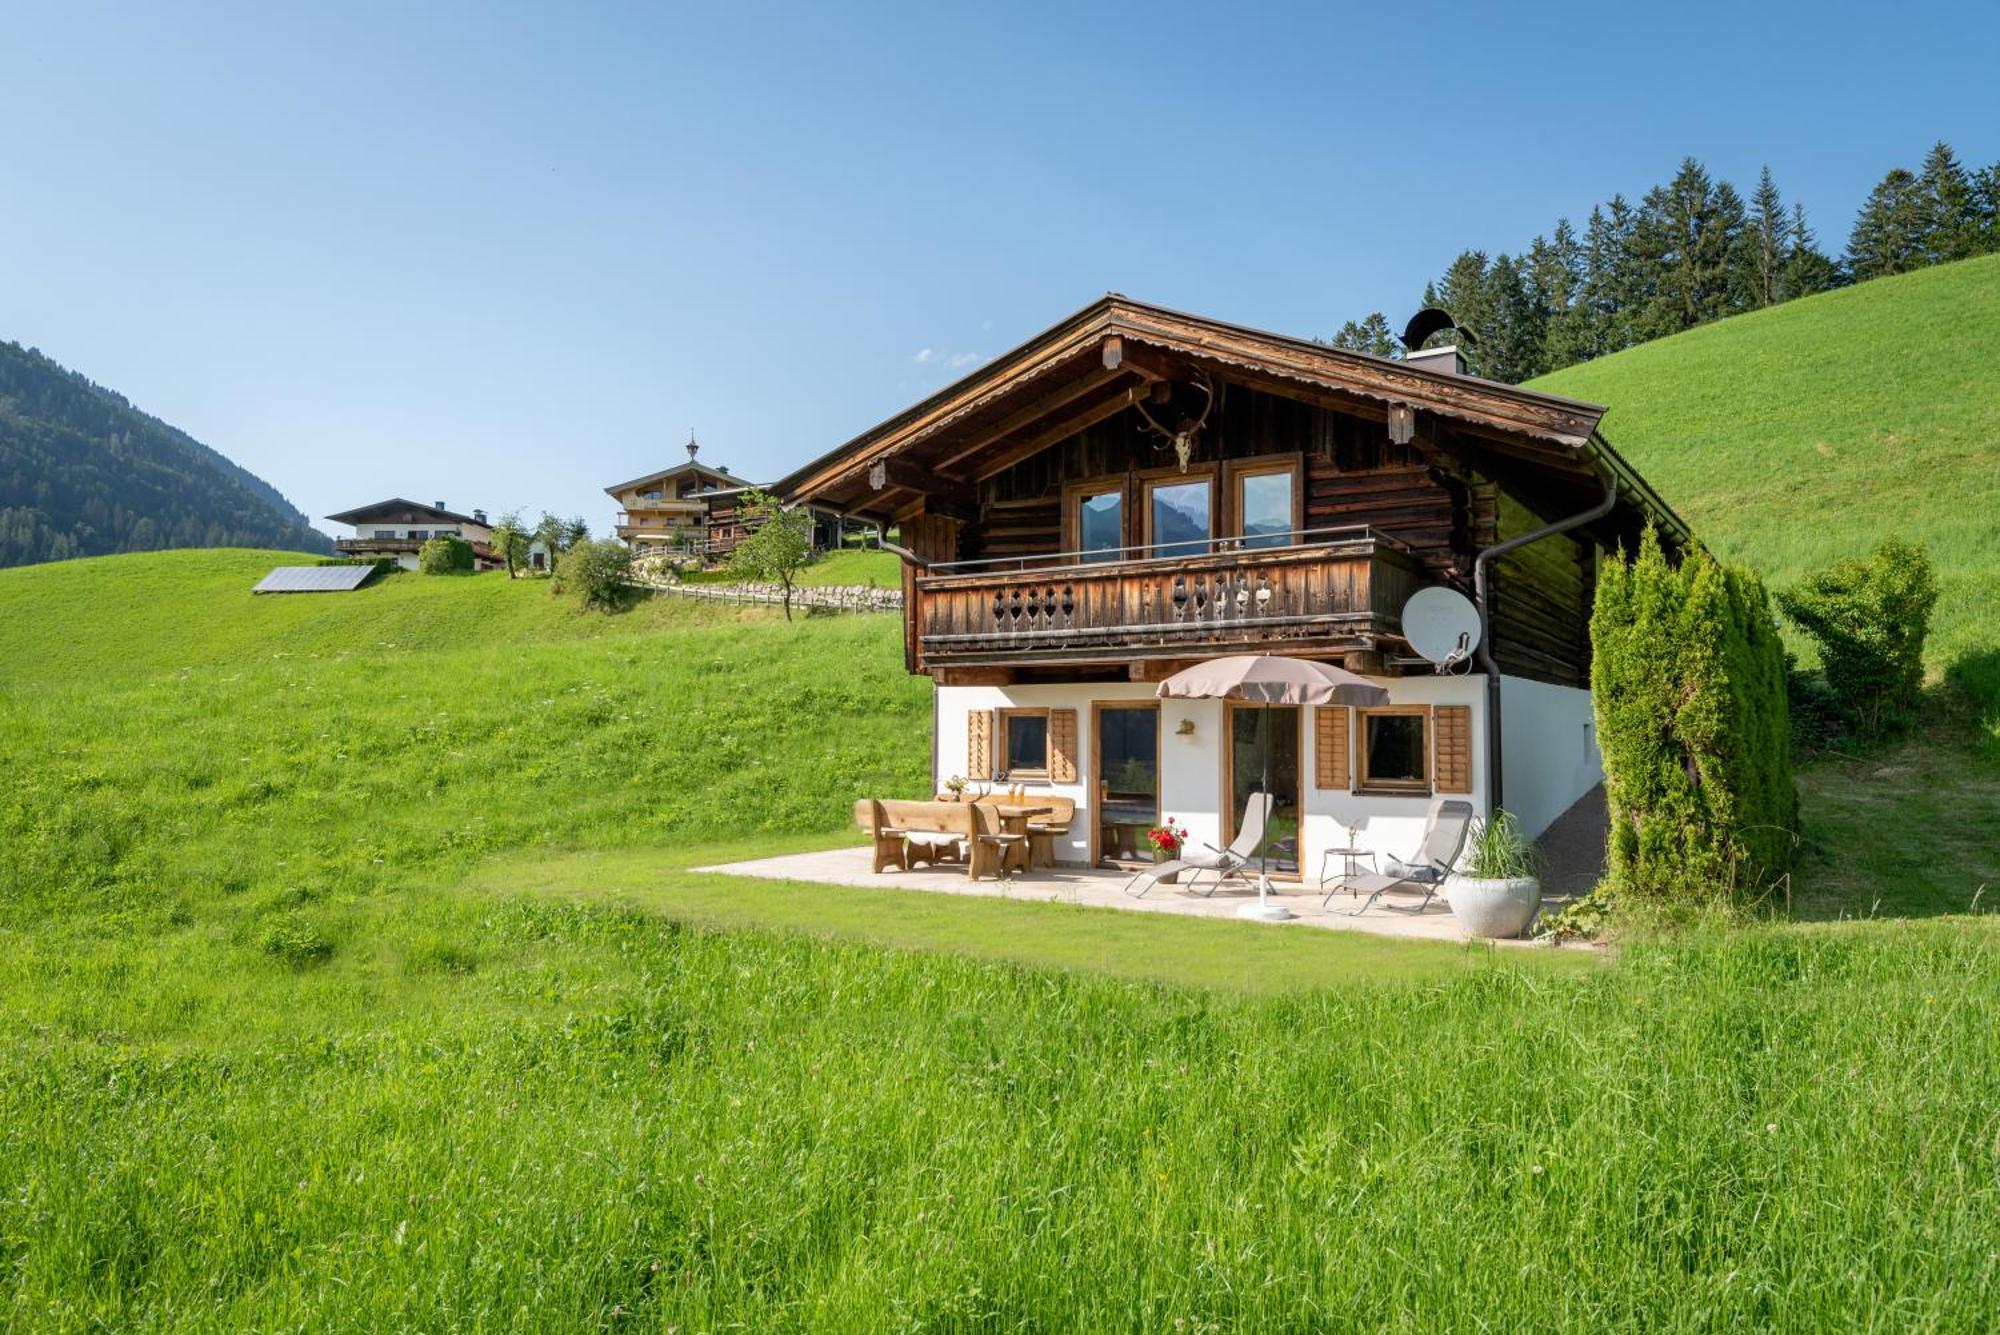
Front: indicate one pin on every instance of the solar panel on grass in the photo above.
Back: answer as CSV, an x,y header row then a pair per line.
x,y
314,579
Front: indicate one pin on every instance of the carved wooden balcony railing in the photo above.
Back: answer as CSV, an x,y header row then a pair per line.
x,y
1327,590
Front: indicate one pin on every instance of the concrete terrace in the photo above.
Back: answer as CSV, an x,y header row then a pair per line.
x,y
1099,888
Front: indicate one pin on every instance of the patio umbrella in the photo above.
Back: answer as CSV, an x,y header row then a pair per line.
x,y
1267,680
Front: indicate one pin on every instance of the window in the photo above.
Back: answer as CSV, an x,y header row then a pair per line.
x,y
1179,516
1100,523
1264,508
1024,743
1395,750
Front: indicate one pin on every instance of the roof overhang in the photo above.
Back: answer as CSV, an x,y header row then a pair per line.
x,y
1106,355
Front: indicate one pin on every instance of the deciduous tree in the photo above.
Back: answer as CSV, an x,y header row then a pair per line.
x,y
778,547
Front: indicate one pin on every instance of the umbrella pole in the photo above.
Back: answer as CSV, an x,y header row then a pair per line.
x,y
1263,909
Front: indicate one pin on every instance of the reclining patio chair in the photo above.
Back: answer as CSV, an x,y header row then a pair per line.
x,y
1224,863
1444,839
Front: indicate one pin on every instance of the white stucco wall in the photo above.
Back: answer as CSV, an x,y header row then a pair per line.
x,y
1191,766
1548,750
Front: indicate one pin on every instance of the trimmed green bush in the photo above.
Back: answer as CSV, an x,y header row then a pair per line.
x,y
1870,618
1688,684
445,556
600,572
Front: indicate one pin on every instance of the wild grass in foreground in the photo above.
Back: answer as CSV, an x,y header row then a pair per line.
x,y
655,1126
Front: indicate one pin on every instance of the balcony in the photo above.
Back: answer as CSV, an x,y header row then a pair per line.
x,y
1324,590
378,546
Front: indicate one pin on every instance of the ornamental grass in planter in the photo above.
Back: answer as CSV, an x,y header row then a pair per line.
x,y
1496,888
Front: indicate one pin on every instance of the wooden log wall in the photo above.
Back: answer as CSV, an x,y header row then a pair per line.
x,y
1542,595
1353,475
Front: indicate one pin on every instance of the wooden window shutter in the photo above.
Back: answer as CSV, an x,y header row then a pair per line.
x,y
979,744
1451,747
1062,746
1330,747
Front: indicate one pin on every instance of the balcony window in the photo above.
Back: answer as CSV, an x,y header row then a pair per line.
x,y
1100,524
1264,507
1395,750
1179,516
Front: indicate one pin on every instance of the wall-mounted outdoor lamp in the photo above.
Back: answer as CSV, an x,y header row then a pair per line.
x,y
1186,729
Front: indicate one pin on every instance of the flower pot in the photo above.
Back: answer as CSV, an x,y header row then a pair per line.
x,y
1494,908
1162,855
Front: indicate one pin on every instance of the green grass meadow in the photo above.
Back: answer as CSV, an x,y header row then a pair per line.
x,y
352,975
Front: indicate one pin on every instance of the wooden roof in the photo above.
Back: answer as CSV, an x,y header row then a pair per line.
x,y
398,510
690,466
1107,356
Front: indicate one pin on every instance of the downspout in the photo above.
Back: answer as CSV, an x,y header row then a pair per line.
x,y
1484,654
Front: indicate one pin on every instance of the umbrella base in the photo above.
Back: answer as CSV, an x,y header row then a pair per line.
x,y
1265,912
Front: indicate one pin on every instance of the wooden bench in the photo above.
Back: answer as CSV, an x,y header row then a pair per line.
x,y
936,819
874,821
908,834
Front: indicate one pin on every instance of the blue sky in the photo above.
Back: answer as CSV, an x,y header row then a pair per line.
x,y
504,256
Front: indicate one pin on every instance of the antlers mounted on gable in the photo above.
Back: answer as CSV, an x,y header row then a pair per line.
x,y
1183,439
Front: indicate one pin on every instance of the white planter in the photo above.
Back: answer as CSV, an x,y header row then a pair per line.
x,y
1501,908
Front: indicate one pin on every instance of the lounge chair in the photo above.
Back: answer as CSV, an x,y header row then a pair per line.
x,y
1222,862
1444,839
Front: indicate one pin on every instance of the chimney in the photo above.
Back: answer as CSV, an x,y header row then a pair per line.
x,y
1445,359
437,505
694,447
478,516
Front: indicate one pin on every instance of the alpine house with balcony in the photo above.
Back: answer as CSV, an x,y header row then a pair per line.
x,y
1136,489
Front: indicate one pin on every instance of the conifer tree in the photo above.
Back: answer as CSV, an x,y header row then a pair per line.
x,y
1808,269
1888,236
1986,206
1687,234
1613,292
1767,242
1555,271
1372,336
1952,227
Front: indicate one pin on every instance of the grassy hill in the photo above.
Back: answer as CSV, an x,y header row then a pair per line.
x,y
1810,431
352,976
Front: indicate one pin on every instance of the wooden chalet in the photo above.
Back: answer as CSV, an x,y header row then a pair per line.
x,y
398,528
695,508
1136,489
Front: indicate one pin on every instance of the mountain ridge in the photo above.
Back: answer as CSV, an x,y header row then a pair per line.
x,y
83,472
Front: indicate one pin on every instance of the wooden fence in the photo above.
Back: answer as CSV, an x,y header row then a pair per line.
x,y
838,598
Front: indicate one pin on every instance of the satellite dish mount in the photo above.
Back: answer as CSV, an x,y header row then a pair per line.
x,y
1442,625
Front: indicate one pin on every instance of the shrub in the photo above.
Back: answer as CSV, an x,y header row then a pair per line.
x,y
1869,618
445,556
600,572
1688,685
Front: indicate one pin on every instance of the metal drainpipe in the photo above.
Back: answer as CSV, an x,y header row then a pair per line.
x,y
1484,654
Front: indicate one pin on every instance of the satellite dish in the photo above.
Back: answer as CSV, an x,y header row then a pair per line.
x,y
1442,625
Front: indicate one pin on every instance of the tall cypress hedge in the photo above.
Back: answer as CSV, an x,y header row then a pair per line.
x,y
1688,683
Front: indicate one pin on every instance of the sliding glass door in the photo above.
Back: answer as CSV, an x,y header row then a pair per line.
x,y
1251,728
